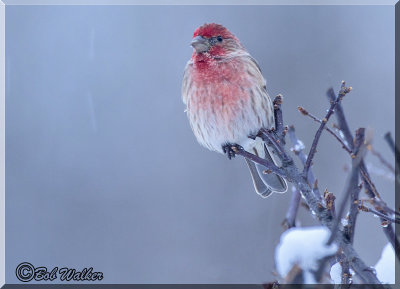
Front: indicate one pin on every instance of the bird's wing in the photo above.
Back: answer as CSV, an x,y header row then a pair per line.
x,y
255,70
187,81
252,67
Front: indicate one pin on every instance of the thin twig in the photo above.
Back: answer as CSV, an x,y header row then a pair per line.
x,y
381,159
343,91
279,128
323,214
319,273
349,229
353,212
390,141
325,217
342,123
369,186
351,192
272,139
396,151
371,189
346,275
290,220
328,129
351,184
381,205
271,167
384,216
298,149
344,143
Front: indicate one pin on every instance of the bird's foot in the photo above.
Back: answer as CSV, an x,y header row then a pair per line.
x,y
231,149
252,136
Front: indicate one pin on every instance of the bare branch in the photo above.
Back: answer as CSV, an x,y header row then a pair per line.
x,y
369,186
381,205
272,139
343,91
298,149
396,151
359,144
346,275
352,184
323,214
290,220
342,123
381,159
328,129
315,204
382,215
390,141
271,167
279,128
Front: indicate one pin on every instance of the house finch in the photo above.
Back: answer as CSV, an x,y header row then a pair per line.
x,y
227,102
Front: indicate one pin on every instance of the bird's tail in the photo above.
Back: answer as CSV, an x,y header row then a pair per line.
x,y
265,184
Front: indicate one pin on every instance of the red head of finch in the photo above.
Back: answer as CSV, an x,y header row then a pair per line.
x,y
226,98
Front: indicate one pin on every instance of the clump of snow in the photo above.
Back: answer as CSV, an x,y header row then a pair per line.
x,y
344,221
385,266
303,247
336,273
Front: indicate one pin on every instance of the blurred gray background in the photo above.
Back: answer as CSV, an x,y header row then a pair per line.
x,y
103,171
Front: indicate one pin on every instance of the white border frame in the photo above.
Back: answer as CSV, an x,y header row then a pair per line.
x,y
2,143
200,2
3,4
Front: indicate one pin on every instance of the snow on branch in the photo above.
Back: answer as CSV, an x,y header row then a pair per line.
x,y
303,248
385,268
304,254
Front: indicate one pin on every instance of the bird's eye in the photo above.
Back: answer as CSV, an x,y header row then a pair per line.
x,y
219,38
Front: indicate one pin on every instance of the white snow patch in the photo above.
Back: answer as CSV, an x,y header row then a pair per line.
x,y
304,247
336,273
385,266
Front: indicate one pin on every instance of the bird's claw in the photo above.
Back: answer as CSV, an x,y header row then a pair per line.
x,y
231,150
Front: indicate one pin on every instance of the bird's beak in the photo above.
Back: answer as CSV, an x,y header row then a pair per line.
x,y
200,44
